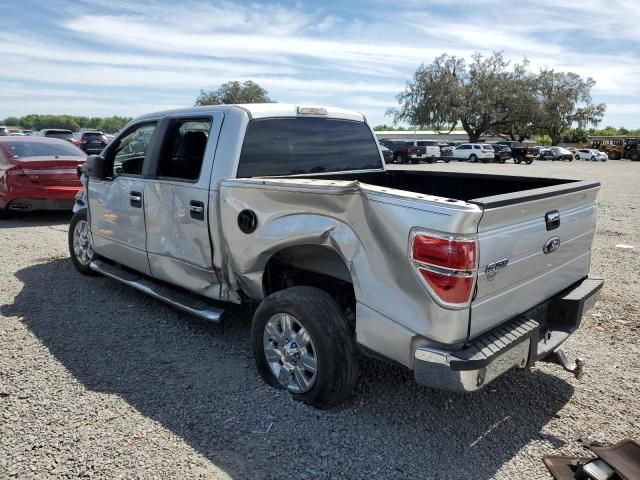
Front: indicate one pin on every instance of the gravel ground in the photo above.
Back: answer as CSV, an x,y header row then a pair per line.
x,y
97,380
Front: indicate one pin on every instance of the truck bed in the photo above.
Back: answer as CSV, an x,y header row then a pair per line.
x,y
488,191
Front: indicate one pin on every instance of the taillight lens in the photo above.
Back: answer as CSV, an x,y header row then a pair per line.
x,y
409,150
447,266
450,289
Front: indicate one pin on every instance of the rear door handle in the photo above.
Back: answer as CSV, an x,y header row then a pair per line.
x,y
196,209
135,199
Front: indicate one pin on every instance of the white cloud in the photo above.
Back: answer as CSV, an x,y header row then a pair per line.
x,y
304,51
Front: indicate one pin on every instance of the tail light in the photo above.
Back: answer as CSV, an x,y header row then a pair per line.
x,y
446,265
409,150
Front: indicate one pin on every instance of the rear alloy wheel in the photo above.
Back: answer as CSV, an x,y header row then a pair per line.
x,y
80,248
529,161
473,159
302,343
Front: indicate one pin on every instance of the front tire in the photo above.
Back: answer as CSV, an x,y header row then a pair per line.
x,y
302,343
80,248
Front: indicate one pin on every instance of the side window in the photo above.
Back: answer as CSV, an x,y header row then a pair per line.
x,y
130,151
476,147
183,148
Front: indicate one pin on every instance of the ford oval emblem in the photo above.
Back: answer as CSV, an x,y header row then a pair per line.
x,y
552,245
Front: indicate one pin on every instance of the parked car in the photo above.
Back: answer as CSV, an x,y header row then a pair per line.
x,y
502,153
386,154
561,154
473,152
591,154
399,149
90,141
38,173
17,134
427,150
544,153
60,133
342,255
4,131
519,152
446,151
413,151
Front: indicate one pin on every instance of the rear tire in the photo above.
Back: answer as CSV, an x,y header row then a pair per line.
x,y
529,161
80,248
473,159
614,156
330,376
635,156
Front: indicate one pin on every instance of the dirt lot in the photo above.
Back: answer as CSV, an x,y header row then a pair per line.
x,y
97,380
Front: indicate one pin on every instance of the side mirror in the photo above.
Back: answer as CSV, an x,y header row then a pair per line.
x,y
96,167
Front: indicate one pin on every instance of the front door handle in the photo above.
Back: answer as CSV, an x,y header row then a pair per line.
x,y
135,199
196,209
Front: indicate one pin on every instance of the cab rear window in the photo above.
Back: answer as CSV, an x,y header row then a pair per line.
x,y
295,146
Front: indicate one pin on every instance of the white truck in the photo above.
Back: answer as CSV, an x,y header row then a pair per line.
x,y
458,277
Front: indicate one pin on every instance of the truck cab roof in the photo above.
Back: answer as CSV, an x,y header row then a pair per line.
x,y
267,110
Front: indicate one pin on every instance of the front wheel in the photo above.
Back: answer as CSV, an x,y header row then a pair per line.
x,y
302,342
80,248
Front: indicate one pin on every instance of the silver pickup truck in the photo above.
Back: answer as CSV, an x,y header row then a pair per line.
x,y
458,277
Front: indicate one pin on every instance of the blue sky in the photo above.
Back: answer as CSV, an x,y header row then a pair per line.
x,y
114,57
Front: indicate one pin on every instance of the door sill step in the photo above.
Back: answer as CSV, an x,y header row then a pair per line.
x,y
174,297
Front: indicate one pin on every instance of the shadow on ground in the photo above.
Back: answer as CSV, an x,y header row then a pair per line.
x,y
34,219
198,380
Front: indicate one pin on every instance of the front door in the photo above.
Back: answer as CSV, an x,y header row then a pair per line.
x,y
116,204
176,205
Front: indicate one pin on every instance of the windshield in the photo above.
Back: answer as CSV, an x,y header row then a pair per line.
x,y
292,146
42,149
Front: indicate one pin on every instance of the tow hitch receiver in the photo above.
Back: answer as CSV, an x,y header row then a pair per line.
x,y
561,359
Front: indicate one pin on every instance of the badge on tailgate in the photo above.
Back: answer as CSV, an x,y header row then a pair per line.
x,y
491,269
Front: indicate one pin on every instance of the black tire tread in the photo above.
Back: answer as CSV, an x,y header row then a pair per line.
x,y
330,331
83,269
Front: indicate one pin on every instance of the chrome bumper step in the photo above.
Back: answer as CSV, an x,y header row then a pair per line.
x,y
174,297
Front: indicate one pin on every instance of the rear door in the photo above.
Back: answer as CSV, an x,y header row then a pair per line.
x,y
533,244
116,204
177,203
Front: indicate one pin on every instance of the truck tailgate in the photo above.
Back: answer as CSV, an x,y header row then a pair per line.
x,y
525,258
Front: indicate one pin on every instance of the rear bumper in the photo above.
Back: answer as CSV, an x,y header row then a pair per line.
x,y
518,343
32,196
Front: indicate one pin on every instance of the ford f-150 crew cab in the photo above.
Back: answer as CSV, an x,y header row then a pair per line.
x,y
458,277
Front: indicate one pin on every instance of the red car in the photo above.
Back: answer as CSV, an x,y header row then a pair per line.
x,y
38,173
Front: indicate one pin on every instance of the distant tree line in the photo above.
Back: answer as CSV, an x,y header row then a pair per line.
x,y
69,122
490,95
